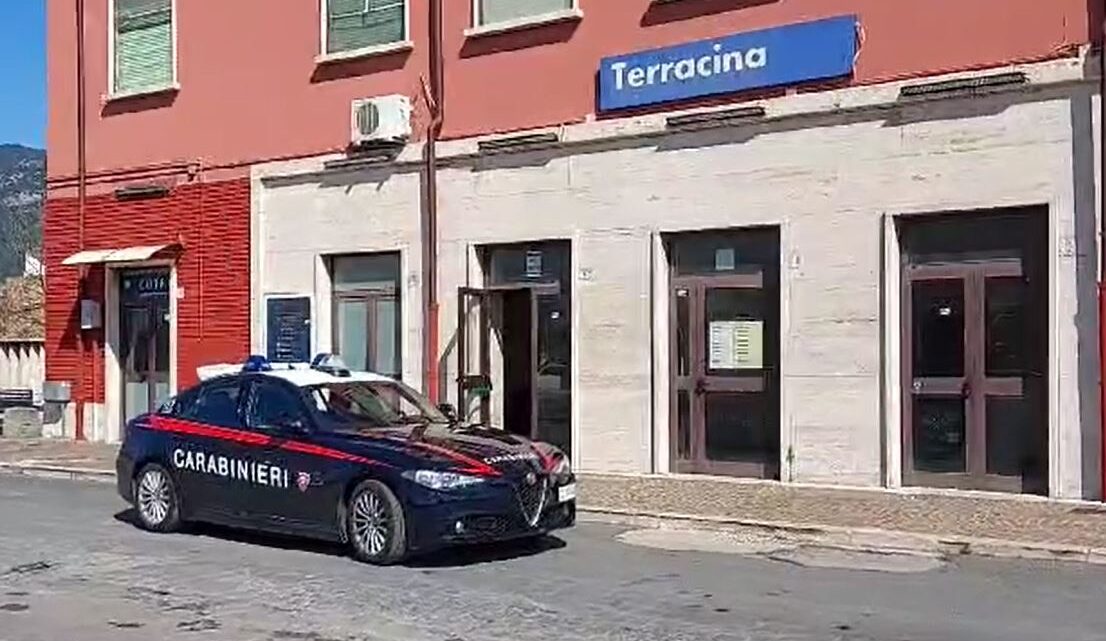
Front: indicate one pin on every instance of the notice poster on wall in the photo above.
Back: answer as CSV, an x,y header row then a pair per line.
x,y
736,344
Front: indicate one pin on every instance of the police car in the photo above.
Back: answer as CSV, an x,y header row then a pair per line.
x,y
320,451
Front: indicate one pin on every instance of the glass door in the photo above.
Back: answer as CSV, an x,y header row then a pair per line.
x,y
725,405
144,332
974,373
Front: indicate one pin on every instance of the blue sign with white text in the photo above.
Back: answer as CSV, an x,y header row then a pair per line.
x,y
757,59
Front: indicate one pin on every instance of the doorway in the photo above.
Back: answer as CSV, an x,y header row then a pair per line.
x,y
515,342
974,336
144,335
724,338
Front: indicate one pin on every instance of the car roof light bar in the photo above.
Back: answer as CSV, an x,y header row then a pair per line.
x,y
257,363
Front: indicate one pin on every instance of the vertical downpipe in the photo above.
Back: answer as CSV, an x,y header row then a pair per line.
x,y
1102,248
81,196
430,224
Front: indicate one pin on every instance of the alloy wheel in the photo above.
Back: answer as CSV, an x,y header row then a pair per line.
x,y
370,521
154,498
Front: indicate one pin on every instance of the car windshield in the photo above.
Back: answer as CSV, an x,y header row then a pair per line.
x,y
371,404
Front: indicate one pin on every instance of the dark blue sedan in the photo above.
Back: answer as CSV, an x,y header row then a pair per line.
x,y
354,457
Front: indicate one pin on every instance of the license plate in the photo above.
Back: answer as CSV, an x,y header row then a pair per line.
x,y
566,493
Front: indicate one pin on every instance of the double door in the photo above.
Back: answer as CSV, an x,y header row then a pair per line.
x,y
973,371
725,398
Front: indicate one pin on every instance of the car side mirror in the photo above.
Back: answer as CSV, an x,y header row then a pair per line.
x,y
449,410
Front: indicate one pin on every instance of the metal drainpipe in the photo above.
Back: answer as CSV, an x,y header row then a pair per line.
x,y
81,196
1102,248
430,224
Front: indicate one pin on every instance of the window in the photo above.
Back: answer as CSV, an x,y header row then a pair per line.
x,y
216,404
494,11
276,406
352,25
143,50
367,328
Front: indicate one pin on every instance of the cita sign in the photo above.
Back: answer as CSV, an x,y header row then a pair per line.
x,y
757,59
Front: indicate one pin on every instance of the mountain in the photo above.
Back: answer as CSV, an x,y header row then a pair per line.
x,y
22,185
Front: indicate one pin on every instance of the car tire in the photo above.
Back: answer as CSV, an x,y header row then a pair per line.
x,y
156,500
376,527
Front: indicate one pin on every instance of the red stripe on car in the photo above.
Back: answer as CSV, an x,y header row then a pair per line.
x,y
177,426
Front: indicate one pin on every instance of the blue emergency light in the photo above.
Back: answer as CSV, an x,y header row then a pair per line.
x,y
257,363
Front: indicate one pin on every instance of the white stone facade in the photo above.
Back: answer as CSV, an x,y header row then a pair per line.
x,y
832,169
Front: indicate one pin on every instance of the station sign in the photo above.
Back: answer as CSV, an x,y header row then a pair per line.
x,y
781,56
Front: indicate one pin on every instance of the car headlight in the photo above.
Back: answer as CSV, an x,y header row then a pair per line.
x,y
436,480
562,467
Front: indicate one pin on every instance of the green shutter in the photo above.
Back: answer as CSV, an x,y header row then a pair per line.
x,y
355,24
492,11
143,45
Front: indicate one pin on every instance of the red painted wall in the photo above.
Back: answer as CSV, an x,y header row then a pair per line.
x,y
210,220
550,72
251,90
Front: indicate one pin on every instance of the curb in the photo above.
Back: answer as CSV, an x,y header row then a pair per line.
x,y
871,540
59,472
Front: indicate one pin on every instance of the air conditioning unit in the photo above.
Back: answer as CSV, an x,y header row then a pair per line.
x,y
384,120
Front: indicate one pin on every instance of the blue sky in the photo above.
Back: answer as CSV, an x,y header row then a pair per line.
x,y
23,72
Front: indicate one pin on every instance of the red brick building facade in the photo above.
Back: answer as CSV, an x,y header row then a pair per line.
x,y
205,228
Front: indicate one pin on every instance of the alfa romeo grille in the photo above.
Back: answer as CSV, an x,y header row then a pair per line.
x,y
531,497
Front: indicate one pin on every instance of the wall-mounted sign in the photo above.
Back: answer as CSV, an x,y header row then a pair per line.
x,y
288,322
533,264
143,284
736,344
757,59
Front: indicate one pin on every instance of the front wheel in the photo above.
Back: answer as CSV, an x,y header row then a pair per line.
x,y
156,499
377,529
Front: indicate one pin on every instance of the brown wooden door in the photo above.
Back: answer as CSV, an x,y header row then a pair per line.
x,y
724,394
973,377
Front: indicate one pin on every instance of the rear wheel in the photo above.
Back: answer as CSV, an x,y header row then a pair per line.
x,y
156,499
377,529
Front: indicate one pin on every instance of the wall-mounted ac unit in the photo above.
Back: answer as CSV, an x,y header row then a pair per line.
x,y
384,120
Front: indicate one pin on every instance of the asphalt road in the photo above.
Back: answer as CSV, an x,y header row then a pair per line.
x,y
72,567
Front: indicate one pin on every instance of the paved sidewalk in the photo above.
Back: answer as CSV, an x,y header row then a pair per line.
x,y
929,522
58,455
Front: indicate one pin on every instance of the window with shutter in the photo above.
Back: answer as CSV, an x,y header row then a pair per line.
x,y
143,45
357,24
493,11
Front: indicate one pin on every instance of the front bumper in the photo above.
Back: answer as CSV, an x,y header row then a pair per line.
x,y
492,513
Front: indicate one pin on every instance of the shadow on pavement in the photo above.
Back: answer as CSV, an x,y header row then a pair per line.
x,y
450,557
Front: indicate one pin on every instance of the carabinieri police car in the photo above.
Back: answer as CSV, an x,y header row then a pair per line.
x,y
320,451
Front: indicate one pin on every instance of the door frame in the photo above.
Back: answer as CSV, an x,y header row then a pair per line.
x,y
973,274
698,463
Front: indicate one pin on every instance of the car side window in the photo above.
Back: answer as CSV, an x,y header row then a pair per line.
x,y
276,407
216,404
